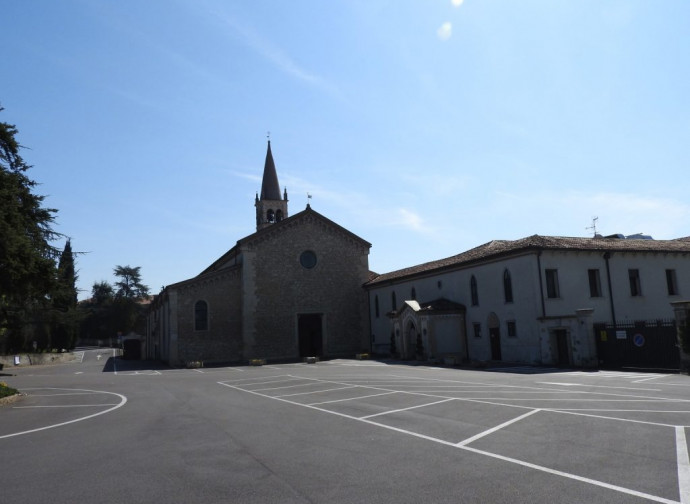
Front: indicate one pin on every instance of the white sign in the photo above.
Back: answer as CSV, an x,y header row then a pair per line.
x,y
621,335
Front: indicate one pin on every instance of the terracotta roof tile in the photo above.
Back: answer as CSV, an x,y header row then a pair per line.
x,y
498,248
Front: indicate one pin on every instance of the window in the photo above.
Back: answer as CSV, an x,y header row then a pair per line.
x,y
413,293
552,290
200,316
279,215
635,286
671,283
473,291
594,283
307,259
270,216
393,301
376,305
477,330
507,287
512,329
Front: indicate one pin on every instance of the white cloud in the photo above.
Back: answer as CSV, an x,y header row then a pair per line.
x,y
275,54
445,31
409,220
457,3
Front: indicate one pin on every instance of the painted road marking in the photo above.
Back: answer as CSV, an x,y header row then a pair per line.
x,y
683,462
683,465
123,401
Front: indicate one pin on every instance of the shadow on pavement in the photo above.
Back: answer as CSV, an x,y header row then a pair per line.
x,y
122,365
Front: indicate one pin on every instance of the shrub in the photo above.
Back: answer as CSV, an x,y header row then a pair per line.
x,y
6,390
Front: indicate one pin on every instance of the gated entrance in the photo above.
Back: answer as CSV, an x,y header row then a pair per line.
x,y
640,344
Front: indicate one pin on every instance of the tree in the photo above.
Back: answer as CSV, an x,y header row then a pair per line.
x,y
130,286
27,259
102,292
65,313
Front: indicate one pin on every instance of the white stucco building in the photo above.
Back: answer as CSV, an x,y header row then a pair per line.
x,y
537,300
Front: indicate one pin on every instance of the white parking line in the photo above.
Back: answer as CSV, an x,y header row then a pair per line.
x,y
317,391
683,460
497,428
66,406
123,401
548,470
352,398
405,409
683,465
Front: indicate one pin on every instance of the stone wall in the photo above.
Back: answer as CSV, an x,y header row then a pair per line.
x,y
222,341
284,288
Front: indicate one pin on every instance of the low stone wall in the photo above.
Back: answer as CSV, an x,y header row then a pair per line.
x,y
38,359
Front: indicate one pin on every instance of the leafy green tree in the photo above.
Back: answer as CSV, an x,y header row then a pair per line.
x,y
98,313
117,309
102,292
129,284
27,259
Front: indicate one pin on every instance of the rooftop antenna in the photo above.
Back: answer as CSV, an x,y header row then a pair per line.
x,y
308,199
593,227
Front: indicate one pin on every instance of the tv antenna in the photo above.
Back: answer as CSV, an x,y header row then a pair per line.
x,y
593,227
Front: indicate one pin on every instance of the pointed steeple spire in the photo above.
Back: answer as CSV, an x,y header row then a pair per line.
x,y
271,205
270,189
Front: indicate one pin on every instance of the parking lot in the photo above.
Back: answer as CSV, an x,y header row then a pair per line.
x,y
355,431
565,426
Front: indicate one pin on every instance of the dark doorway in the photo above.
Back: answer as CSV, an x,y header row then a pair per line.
x,y
495,339
131,349
310,334
562,347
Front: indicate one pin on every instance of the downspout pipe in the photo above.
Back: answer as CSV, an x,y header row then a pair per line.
x,y
607,257
541,284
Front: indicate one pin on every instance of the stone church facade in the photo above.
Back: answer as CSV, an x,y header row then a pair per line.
x,y
292,289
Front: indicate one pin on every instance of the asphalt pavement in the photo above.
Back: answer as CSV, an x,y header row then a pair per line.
x,y
105,430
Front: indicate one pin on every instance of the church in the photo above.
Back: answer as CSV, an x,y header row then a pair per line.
x,y
300,286
292,289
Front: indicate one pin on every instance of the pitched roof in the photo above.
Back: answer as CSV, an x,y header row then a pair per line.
x,y
270,189
499,248
277,227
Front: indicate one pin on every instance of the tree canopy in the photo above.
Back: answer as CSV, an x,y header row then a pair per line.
x,y
27,258
129,284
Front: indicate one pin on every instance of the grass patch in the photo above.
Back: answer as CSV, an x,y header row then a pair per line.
x,y
6,390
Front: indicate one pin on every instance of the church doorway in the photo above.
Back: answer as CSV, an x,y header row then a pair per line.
x,y
310,335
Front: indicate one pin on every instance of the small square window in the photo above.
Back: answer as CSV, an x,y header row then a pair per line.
x,y
477,330
512,329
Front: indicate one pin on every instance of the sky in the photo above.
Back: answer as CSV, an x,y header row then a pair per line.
x,y
426,127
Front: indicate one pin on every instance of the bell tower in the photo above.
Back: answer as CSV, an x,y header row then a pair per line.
x,y
271,207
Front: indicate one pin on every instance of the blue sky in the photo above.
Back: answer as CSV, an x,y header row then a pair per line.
x,y
425,127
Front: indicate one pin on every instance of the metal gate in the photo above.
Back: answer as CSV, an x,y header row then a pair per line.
x,y
641,345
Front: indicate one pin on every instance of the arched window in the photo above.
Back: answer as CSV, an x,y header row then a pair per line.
x,y
393,301
376,305
413,294
270,216
507,287
473,291
200,316
279,215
